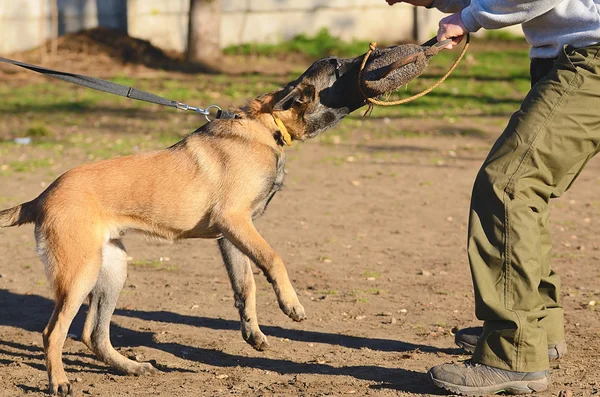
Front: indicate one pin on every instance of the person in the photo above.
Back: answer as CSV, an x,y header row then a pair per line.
x,y
545,146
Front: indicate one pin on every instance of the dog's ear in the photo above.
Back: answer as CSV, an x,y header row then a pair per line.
x,y
301,95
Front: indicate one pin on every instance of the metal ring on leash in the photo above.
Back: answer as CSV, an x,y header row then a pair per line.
x,y
207,112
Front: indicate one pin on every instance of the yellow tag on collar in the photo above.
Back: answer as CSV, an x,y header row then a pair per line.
x,y
285,135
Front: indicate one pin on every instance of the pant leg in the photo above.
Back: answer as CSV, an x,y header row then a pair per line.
x,y
545,144
549,288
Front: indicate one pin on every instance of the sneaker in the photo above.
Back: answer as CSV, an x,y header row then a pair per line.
x,y
472,379
467,338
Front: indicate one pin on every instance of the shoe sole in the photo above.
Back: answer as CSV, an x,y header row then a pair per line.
x,y
516,387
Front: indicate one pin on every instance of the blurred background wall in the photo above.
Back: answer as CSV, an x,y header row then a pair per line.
x,y
25,24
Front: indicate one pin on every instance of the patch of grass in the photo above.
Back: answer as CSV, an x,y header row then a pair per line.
x,y
362,295
369,291
320,45
5,201
503,35
405,133
335,160
568,255
152,264
370,273
38,130
375,291
28,166
464,131
129,144
419,329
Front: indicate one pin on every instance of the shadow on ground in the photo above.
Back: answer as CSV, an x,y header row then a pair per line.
x,y
31,312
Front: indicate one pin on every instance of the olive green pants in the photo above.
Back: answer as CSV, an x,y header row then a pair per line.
x,y
542,151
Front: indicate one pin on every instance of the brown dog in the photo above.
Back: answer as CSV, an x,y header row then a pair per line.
x,y
212,184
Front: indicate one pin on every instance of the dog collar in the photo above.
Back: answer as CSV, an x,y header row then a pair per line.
x,y
285,135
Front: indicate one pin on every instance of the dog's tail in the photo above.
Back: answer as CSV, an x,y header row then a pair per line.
x,y
19,215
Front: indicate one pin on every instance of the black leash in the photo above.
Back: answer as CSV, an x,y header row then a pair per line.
x,y
121,90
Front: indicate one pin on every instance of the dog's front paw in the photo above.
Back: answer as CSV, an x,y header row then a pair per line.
x,y
254,337
258,341
61,389
295,312
143,369
298,313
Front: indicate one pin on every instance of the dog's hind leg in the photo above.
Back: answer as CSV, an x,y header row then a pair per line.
x,y
103,299
73,270
240,230
244,290
54,336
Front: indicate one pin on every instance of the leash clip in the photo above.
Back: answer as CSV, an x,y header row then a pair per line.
x,y
205,112
182,106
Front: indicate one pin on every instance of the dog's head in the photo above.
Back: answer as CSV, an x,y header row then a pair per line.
x,y
329,89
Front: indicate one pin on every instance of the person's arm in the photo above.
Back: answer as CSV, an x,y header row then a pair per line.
x,y
491,14
496,14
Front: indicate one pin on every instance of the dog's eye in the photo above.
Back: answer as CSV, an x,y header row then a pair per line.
x,y
336,63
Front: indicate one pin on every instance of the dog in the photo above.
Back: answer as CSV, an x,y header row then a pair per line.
x,y
210,185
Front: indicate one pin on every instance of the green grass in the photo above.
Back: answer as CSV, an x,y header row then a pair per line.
x,y
320,45
38,130
503,35
28,166
370,273
330,292
154,265
149,264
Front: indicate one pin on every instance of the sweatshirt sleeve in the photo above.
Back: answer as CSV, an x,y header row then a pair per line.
x,y
450,6
496,14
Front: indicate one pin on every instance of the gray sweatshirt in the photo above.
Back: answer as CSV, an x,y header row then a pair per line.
x,y
548,24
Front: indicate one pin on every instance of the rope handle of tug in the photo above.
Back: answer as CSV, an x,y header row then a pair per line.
x,y
434,49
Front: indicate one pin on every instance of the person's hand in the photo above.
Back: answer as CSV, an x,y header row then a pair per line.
x,y
422,3
452,27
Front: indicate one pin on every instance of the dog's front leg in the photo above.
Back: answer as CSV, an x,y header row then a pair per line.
x,y
240,231
244,290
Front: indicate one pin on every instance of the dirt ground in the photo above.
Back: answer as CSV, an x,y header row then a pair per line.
x,y
373,235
